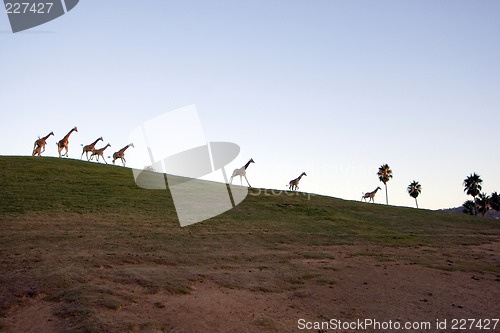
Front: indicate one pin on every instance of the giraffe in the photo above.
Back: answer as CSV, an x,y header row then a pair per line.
x,y
121,154
63,144
89,148
242,172
370,195
99,152
40,143
294,183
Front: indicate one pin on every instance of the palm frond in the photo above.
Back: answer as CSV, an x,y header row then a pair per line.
x,y
414,189
384,173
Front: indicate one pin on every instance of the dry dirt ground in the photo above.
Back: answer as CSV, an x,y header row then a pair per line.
x,y
356,283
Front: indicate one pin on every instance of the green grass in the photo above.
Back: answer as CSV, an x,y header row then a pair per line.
x,y
85,236
51,186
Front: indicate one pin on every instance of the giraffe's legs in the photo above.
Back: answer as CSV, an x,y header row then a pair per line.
x,y
36,151
66,153
247,181
35,146
99,156
86,152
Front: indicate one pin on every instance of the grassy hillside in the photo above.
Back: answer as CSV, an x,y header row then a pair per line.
x,y
51,186
84,237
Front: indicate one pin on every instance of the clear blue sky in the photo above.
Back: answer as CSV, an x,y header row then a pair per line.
x,y
333,88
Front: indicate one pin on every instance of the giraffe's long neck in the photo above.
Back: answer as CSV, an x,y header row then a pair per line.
x,y
95,142
47,136
248,163
67,135
123,149
100,150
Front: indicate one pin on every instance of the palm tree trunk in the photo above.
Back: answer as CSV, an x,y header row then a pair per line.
x,y
416,202
386,197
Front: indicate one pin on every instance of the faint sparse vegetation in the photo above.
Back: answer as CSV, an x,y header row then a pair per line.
x,y
265,323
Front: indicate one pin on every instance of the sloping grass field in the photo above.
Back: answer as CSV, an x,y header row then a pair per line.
x,y
88,251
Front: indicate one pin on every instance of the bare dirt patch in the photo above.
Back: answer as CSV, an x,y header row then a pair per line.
x,y
34,315
347,282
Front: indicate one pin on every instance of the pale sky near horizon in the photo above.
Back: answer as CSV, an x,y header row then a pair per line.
x,y
332,88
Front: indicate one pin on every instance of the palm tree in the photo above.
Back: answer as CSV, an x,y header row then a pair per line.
x,y
384,175
414,189
483,203
469,207
495,201
472,185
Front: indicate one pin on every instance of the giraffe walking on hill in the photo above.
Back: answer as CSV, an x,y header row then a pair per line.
x,y
63,143
39,144
100,152
294,183
242,172
370,195
90,148
121,154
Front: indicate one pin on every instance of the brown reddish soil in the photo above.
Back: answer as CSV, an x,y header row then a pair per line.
x,y
357,282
